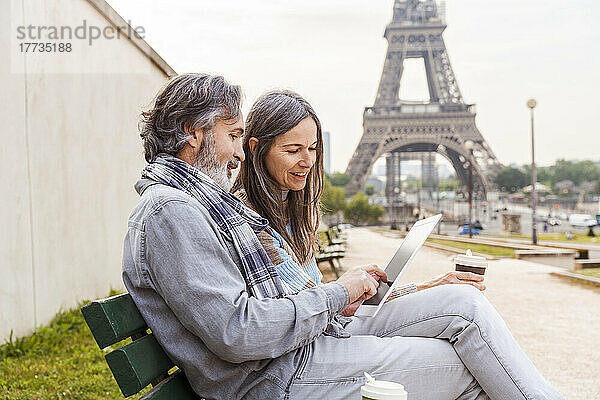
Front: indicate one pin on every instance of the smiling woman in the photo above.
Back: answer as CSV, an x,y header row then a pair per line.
x,y
292,155
284,153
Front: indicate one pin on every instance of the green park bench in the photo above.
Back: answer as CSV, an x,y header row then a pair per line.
x,y
140,363
328,254
333,239
338,233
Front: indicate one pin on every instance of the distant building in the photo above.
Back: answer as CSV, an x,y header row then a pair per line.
x,y
327,152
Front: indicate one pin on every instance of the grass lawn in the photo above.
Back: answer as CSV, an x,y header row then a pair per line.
x,y
59,361
560,236
595,272
479,248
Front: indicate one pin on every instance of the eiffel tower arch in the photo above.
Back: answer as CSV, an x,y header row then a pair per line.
x,y
443,125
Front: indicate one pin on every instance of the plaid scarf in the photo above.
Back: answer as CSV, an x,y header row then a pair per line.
x,y
232,217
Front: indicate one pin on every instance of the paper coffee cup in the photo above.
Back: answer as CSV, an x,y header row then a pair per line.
x,y
470,263
382,390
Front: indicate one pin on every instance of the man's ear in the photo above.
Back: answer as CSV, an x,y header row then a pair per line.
x,y
196,137
252,142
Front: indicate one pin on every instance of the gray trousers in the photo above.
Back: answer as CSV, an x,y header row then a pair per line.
x,y
447,342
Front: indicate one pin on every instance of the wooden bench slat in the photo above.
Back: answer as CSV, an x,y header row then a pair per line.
x,y
175,386
137,364
333,240
113,319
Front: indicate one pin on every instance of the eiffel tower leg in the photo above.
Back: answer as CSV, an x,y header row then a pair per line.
x,y
362,161
389,177
393,187
397,175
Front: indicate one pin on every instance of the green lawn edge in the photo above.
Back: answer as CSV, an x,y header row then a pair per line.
x,y
478,248
593,272
557,237
60,360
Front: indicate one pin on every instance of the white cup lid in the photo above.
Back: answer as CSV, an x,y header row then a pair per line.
x,y
382,390
474,261
470,260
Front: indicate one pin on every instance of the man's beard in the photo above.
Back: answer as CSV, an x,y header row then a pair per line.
x,y
207,162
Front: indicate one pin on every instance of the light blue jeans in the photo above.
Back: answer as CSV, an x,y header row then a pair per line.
x,y
447,342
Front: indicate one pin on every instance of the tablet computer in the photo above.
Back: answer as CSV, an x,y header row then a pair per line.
x,y
408,248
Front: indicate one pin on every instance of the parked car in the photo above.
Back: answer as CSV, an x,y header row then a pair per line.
x,y
464,230
465,222
554,222
582,220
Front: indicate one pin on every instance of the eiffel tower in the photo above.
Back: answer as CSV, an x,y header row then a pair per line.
x,y
445,124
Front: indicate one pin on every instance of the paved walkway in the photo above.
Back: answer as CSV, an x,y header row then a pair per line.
x,y
556,322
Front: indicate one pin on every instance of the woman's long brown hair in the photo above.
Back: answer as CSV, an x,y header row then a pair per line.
x,y
272,115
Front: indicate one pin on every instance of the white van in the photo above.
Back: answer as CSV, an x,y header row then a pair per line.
x,y
582,220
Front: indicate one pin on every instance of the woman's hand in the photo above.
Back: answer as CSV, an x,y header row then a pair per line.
x,y
454,277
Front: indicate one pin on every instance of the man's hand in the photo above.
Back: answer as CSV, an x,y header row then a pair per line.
x,y
351,308
362,282
454,277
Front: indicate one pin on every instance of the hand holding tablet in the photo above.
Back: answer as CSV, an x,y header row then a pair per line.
x,y
362,282
404,255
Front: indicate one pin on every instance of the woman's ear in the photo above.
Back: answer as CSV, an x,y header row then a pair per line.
x,y
252,142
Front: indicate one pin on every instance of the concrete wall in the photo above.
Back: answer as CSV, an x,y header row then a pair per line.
x,y
69,157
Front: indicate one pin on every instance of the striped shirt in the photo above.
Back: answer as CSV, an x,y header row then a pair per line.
x,y
297,276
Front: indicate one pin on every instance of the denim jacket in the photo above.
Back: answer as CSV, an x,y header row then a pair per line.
x,y
183,274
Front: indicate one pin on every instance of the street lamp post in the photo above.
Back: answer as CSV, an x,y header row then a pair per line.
x,y
394,208
531,103
437,184
469,147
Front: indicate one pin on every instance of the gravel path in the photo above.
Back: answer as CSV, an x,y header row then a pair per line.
x,y
556,322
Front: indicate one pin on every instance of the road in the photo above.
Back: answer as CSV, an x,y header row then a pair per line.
x,y
555,322
488,216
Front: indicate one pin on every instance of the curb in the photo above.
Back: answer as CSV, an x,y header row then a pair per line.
x,y
586,279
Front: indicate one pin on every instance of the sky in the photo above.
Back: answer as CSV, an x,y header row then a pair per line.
x,y
502,52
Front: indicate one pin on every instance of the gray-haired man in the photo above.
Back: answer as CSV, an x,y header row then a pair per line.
x,y
210,294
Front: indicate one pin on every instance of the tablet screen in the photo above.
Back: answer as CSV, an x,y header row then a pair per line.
x,y
412,242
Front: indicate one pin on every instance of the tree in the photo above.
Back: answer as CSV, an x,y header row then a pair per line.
x,y
375,212
544,175
338,179
587,187
370,190
359,209
576,172
554,176
333,198
511,180
448,186
564,188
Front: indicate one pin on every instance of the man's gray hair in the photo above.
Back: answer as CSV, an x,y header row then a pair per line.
x,y
188,102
